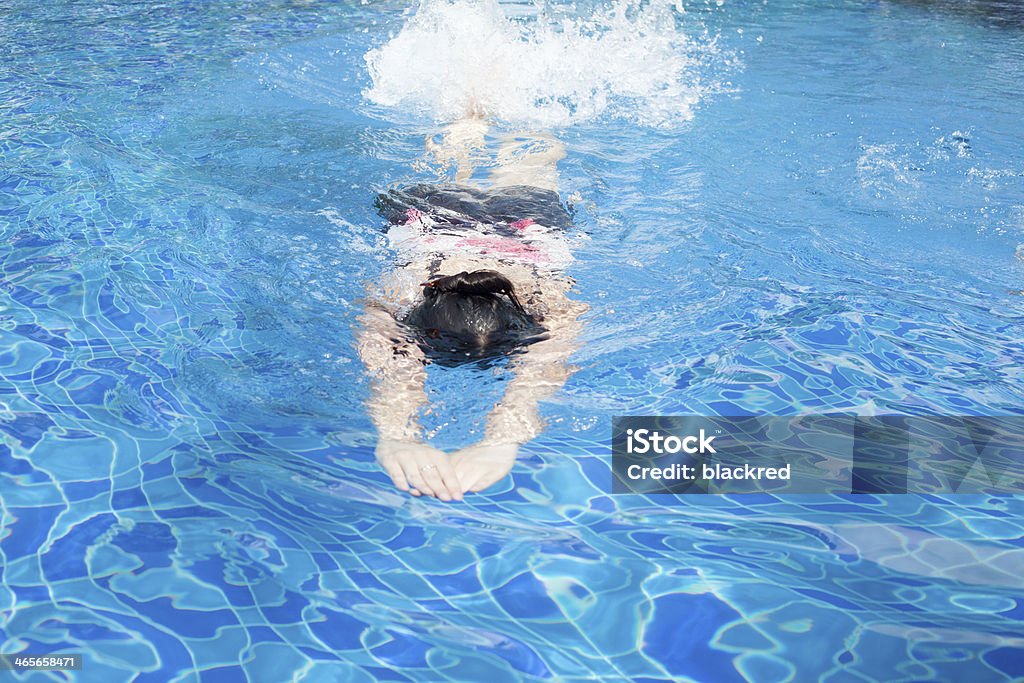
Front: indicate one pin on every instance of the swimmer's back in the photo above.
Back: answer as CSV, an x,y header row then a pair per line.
x,y
510,224
463,205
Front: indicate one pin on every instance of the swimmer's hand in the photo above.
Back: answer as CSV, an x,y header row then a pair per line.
x,y
419,468
481,466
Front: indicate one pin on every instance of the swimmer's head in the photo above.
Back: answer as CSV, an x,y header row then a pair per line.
x,y
472,313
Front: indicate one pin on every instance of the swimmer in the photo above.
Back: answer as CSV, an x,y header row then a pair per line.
x,y
479,275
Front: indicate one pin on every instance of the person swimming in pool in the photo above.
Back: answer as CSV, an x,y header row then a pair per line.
x,y
479,274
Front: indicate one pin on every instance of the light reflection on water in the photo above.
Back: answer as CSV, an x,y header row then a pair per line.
x,y
188,230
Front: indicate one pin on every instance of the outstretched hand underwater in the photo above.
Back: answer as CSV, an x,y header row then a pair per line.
x,y
481,466
418,468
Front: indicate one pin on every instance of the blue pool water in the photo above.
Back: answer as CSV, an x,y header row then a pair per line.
x,y
832,221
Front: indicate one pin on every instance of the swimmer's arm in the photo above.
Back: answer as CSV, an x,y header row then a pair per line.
x,y
539,373
397,394
397,376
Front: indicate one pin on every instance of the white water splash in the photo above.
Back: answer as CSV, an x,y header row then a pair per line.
x,y
457,57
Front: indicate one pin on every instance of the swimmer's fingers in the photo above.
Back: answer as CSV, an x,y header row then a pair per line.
x,y
397,476
434,480
401,460
418,482
447,478
419,469
438,473
487,479
391,454
480,467
469,474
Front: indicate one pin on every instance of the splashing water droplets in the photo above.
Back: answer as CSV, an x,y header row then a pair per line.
x,y
458,57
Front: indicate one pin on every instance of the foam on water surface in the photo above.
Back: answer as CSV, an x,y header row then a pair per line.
x,y
628,60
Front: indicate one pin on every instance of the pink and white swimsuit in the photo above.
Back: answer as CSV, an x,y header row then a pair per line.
x,y
511,224
420,238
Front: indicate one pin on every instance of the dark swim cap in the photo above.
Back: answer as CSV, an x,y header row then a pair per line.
x,y
472,315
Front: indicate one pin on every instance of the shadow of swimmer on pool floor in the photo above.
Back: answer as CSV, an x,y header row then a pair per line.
x,y
479,278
